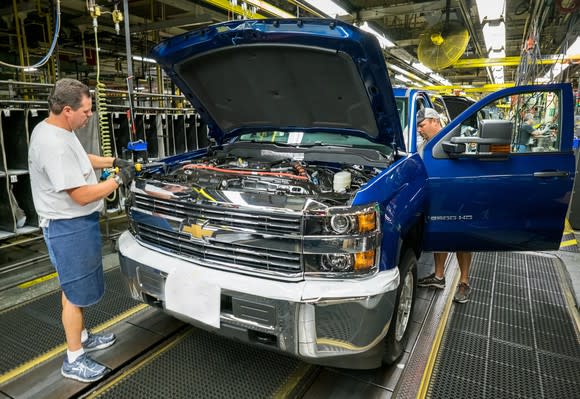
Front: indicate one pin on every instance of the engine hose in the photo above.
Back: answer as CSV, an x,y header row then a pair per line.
x,y
244,172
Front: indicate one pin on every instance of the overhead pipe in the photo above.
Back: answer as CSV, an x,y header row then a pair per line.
x,y
143,107
18,82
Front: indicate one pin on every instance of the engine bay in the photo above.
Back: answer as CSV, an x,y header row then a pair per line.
x,y
330,175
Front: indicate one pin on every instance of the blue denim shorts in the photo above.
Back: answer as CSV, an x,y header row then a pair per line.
x,y
74,247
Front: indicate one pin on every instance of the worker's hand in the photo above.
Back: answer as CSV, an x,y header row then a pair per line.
x,y
127,174
121,163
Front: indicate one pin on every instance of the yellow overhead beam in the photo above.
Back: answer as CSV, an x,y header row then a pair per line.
x,y
226,5
269,8
510,61
259,4
470,89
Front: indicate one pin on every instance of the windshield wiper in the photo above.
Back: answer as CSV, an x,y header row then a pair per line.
x,y
323,144
268,142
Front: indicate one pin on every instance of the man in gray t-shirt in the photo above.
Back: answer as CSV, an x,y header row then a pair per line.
x,y
68,200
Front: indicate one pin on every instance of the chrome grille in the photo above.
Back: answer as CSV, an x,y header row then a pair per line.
x,y
211,250
220,215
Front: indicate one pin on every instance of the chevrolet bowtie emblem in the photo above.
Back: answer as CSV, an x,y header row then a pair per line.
x,y
197,231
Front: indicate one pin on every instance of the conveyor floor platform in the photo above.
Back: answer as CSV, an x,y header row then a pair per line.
x,y
517,338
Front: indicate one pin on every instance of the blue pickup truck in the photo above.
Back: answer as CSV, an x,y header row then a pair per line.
x,y
299,228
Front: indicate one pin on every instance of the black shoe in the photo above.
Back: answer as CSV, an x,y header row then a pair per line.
x,y
432,281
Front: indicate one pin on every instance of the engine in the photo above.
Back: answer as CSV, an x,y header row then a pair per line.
x,y
331,183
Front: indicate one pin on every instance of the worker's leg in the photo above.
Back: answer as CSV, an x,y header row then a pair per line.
x,y
464,260
72,321
463,291
440,258
436,279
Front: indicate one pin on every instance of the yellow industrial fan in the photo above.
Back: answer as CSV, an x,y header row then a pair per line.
x,y
442,44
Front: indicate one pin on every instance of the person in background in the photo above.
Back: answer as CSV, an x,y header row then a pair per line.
x,y
68,199
428,125
525,133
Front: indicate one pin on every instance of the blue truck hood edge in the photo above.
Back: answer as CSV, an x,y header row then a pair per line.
x,y
303,75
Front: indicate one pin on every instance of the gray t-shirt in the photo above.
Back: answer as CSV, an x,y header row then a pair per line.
x,y
58,162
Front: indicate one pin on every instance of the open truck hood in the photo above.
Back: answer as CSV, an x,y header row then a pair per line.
x,y
284,75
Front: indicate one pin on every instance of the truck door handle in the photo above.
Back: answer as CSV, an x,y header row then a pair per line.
x,y
553,173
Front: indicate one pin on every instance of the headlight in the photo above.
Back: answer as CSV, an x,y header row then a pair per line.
x,y
342,264
337,262
341,224
342,242
342,221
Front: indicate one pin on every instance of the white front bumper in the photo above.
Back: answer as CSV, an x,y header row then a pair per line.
x,y
313,319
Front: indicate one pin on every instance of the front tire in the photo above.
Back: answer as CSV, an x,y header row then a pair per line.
x,y
398,333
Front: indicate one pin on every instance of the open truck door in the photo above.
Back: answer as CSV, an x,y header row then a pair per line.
x,y
495,184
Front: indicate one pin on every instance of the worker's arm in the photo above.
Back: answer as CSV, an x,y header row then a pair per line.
x,y
101,162
84,195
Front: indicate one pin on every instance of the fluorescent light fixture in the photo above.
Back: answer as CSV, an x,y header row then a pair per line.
x,y
494,38
497,53
497,73
402,78
490,9
409,74
144,59
494,35
328,7
574,49
30,69
421,67
440,79
558,68
383,41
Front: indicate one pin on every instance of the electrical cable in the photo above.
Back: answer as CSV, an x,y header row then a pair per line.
x,y
46,58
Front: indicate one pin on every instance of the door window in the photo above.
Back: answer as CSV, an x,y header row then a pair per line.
x,y
441,109
535,119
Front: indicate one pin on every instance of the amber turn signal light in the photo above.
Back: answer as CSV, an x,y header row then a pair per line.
x,y
367,222
364,260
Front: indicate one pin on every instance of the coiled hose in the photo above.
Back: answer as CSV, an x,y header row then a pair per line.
x,y
101,105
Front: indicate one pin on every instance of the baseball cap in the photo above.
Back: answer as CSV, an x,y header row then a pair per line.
x,y
427,113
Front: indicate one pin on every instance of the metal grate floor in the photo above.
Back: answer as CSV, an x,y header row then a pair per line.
x,y
34,328
514,339
203,365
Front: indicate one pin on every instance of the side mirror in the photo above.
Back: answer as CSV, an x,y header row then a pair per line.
x,y
493,141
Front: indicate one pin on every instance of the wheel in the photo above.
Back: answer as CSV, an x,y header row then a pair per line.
x,y
398,333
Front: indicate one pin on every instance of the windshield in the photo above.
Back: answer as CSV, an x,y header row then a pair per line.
x,y
312,139
402,109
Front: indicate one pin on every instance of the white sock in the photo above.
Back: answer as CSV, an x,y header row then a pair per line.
x,y
84,335
72,356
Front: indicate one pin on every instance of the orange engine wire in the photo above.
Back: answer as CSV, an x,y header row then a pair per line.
x,y
245,172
